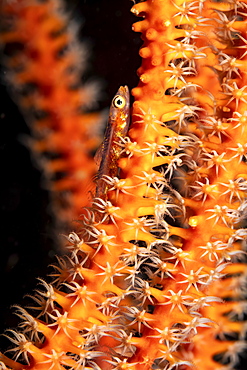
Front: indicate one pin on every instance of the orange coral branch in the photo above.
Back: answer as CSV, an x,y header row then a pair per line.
x,y
45,61
157,281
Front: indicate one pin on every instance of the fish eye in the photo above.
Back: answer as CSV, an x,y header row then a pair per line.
x,y
119,102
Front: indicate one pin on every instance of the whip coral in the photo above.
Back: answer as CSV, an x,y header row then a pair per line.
x,y
44,62
156,275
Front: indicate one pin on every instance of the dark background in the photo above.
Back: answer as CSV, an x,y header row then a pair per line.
x,y
28,240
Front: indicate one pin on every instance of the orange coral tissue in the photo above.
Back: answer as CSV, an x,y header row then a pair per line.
x,y
158,280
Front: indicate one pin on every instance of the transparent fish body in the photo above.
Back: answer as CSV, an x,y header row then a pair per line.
x,y
109,152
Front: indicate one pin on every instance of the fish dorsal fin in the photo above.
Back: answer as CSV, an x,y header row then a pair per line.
x,y
98,154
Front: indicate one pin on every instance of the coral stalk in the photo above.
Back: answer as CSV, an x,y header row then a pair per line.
x,y
44,62
157,274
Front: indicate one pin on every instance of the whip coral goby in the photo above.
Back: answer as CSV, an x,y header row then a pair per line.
x,y
117,128
158,282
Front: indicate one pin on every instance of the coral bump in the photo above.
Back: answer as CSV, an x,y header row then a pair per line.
x,y
156,276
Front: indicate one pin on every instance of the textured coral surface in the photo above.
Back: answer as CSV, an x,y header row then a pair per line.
x,y
156,276
44,63
26,212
